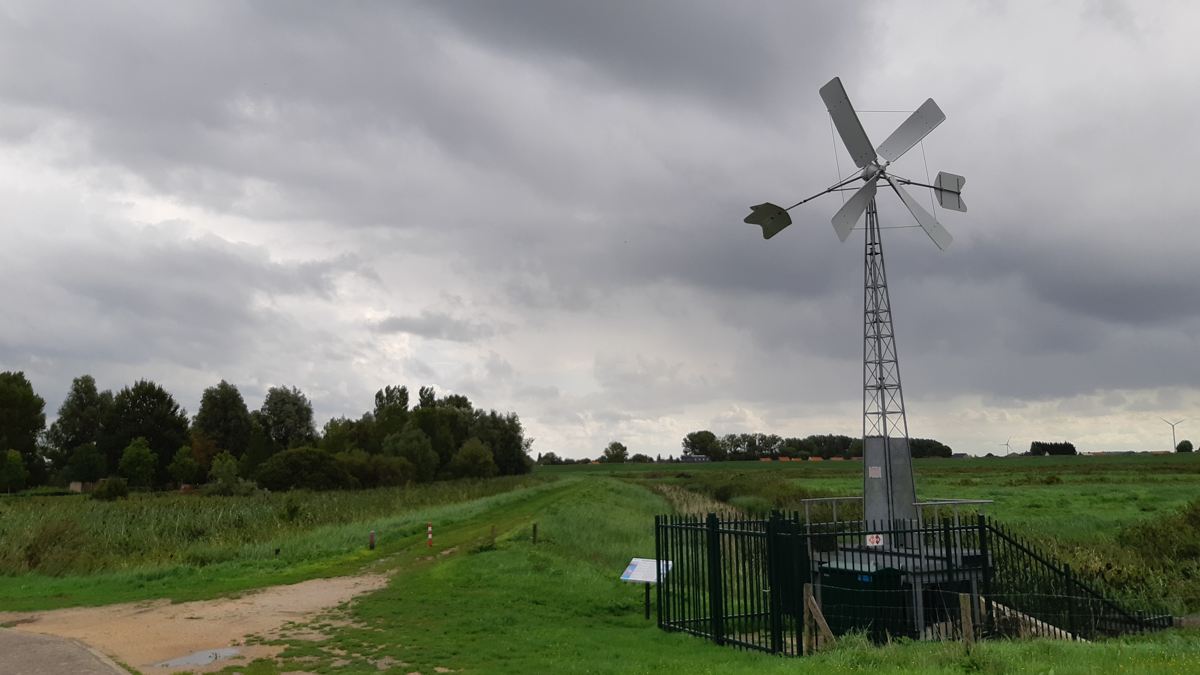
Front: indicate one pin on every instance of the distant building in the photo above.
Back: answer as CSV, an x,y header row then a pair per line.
x,y
692,459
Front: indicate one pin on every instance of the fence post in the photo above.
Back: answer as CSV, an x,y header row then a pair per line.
x,y
658,563
964,611
806,632
716,606
774,582
986,556
1070,602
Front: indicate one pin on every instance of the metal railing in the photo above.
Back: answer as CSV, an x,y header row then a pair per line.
x,y
740,582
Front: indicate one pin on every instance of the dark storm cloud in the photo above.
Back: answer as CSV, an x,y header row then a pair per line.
x,y
578,174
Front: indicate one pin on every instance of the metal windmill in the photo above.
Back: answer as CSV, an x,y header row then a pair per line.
x,y
888,490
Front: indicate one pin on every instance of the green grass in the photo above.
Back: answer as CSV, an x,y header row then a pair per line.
x,y
243,535
558,606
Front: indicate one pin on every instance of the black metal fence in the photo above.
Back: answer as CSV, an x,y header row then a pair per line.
x,y
742,582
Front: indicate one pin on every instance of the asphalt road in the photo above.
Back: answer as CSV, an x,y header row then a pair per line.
x,y
31,654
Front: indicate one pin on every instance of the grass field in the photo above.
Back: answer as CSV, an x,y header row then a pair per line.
x,y
507,605
558,607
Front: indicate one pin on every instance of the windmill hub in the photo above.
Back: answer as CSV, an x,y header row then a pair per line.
x,y
871,170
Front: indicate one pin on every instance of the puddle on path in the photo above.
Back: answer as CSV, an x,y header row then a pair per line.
x,y
200,658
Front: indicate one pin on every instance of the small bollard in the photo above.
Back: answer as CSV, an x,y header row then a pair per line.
x,y
429,535
371,541
535,533
276,553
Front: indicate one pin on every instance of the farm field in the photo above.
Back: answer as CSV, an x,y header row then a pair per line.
x,y
478,604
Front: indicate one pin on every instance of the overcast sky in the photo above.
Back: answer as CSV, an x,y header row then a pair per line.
x,y
539,205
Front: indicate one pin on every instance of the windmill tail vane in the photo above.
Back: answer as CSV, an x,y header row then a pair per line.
x,y
874,164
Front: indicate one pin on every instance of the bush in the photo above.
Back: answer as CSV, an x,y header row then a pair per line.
x,y
307,468
473,460
184,468
414,446
111,489
137,463
1184,446
375,470
224,479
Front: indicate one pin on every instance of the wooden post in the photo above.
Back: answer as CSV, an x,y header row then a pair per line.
x,y
806,632
968,626
535,533
493,541
818,618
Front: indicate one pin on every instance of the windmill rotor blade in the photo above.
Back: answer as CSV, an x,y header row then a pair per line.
x,y
770,217
847,123
918,125
941,238
847,216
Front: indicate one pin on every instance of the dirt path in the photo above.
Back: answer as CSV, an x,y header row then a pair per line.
x,y
147,633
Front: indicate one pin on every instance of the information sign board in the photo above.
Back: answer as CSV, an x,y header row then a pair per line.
x,y
642,570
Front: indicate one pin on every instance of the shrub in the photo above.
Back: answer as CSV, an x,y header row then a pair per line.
x,y
111,489
224,479
184,468
473,460
414,446
307,468
137,463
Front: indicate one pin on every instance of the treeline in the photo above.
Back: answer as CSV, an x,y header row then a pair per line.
x,y
1038,448
141,435
752,447
743,447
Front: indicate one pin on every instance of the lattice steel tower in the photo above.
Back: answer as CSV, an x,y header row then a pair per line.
x,y
885,426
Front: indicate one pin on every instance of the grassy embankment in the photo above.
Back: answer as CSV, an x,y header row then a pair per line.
x,y
558,606
64,551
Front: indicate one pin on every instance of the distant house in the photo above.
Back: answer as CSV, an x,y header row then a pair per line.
x,y
959,455
816,458
692,459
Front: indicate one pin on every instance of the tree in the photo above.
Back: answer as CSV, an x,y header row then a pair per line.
x,y
287,418
86,464
224,473
1046,448
473,460
703,443
184,468
13,473
639,458
504,434
446,427
138,463
426,397
616,453
1184,446
414,446
304,468
391,412
79,417
22,419
224,418
549,459
148,411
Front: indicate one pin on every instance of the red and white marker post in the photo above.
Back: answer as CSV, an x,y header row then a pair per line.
x,y
429,535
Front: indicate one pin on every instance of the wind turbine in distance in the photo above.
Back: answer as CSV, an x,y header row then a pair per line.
x,y
1007,445
1173,425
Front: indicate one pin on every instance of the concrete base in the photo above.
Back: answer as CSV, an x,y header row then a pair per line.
x,y
24,653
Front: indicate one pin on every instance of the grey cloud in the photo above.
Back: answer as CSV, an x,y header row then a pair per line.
x,y
435,325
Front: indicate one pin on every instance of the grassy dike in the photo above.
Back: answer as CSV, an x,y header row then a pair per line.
x,y
221,564
511,606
